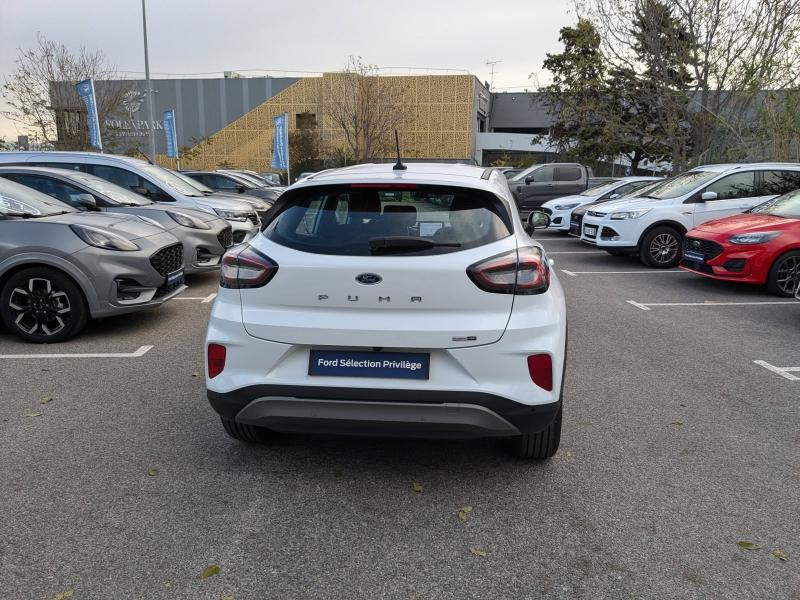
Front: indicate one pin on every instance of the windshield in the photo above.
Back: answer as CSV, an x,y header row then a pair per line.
x,y
786,206
111,190
193,182
418,220
169,179
680,185
16,199
602,189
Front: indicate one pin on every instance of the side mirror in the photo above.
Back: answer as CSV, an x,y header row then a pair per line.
x,y
537,219
529,180
705,196
241,189
86,200
140,190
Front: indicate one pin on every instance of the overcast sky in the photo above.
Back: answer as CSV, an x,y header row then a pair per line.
x,y
211,36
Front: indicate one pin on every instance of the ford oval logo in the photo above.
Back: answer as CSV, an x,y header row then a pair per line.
x,y
369,278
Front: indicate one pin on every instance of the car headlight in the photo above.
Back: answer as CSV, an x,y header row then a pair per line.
x,y
754,238
187,220
629,214
100,238
566,206
231,215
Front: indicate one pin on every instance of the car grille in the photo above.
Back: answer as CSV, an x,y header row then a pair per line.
x,y
707,248
594,213
253,218
225,237
168,260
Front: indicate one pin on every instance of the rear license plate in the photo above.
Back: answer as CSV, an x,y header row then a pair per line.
x,y
175,277
694,256
592,231
399,365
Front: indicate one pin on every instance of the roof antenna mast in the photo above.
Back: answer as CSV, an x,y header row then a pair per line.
x,y
399,166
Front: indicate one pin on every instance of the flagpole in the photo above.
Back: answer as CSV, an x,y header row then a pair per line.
x,y
148,90
286,133
96,118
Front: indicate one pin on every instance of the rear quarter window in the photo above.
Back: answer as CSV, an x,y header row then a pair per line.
x,y
421,220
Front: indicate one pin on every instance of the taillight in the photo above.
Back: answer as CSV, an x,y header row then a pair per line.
x,y
540,367
521,271
216,360
246,268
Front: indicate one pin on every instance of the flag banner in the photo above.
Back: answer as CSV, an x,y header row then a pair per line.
x,y
86,92
279,146
171,133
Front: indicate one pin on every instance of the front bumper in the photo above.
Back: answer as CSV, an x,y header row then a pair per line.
x,y
243,231
124,282
559,220
610,234
203,249
728,262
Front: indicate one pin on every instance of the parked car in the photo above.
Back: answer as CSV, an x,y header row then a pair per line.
x,y
205,237
220,181
255,178
653,225
539,183
576,217
259,205
155,183
560,209
60,267
759,247
358,311
273,178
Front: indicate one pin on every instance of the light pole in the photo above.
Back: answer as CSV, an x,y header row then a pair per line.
x,y
148,90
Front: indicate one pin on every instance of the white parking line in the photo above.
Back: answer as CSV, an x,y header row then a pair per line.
x,y
640,272
782,371
648,305
137,354
203,299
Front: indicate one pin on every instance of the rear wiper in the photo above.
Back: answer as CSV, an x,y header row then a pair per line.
x,y
406,242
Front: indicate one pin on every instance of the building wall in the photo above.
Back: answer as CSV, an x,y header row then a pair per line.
x,y
439,115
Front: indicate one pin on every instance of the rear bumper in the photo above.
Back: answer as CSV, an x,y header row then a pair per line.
x,y
385,412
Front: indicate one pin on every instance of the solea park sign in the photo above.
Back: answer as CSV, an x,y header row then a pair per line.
x,y
132,127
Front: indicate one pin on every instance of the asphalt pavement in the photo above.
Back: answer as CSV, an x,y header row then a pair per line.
x,y
678,450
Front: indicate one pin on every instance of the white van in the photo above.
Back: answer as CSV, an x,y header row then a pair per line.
x,y
151,181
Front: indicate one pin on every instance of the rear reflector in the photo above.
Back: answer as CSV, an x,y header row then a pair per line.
x,y
216,360
540,367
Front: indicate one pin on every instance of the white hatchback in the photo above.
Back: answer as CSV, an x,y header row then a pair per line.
x,y
382,301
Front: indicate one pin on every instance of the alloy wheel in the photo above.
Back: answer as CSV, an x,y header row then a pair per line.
x,y
788,274
664,248
39,307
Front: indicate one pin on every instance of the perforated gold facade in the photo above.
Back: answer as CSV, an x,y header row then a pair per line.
x,y
437,123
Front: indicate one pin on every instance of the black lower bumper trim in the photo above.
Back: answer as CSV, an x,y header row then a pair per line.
x,y
527,419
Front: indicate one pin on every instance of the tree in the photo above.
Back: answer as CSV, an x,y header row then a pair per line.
x,y
366,108
305,145
734,50
43,81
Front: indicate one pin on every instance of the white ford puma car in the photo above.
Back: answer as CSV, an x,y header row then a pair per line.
x,y
386,301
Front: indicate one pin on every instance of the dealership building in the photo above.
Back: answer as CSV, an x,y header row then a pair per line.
x,y
229,121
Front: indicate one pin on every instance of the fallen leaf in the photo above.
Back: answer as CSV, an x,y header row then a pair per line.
x,y
677,423
780,554
417,487
45,400
477,552
33,414
63,595
152,472
464,513
227,598
746,545
195,374
209,571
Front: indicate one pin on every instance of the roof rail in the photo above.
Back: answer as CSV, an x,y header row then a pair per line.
x,y
487,172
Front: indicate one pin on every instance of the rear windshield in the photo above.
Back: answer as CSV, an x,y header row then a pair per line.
x,y
364,220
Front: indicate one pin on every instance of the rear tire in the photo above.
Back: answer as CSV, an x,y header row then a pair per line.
x,y
43,305
661,248
251,434
541,445
784,274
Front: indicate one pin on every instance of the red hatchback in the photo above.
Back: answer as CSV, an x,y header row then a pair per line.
x,y
759,247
